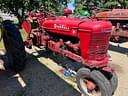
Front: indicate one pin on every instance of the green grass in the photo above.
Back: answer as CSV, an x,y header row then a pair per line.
x,y
1,42
22,34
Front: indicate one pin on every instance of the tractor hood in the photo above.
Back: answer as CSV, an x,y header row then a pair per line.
x,y
95,26
66,25
62,23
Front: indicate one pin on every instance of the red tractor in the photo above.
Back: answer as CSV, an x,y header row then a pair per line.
x,y
85,43
119,19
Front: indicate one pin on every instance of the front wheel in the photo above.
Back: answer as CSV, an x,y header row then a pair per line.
x,y
93,83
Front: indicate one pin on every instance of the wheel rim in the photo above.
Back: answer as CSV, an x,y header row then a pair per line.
x,y
95,92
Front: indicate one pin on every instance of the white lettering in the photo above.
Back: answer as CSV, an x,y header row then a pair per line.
x,y
61,26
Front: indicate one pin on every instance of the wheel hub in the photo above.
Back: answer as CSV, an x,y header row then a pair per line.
x,y
90,85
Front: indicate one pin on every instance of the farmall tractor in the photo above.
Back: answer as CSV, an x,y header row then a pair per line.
x,y
119,20
83,41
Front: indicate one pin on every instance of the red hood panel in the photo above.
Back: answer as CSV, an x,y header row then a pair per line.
x,y
66,24
96,26
62,24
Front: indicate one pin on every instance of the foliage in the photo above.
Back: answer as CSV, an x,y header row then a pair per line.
x,y
107,3
19,7
100,5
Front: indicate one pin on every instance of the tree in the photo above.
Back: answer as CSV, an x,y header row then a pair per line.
x,y
19,7
104,4
54,5
112,3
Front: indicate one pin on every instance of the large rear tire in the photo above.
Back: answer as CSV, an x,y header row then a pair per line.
x,y
112,78
14,46
114,81
102,85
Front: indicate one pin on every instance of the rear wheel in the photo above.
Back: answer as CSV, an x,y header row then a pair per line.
x,y
14,46
112,78
113,81
93,83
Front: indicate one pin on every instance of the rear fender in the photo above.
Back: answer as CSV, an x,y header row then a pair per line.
x,y
27,27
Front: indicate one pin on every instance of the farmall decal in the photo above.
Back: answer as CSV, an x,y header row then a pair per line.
x,y
61,26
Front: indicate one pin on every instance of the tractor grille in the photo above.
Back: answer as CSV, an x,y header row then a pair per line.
x,y
98,46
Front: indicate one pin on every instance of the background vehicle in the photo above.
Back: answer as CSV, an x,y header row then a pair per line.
x,y
119,20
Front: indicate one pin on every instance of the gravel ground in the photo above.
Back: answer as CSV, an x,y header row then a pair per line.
x,y
38,80
120,64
